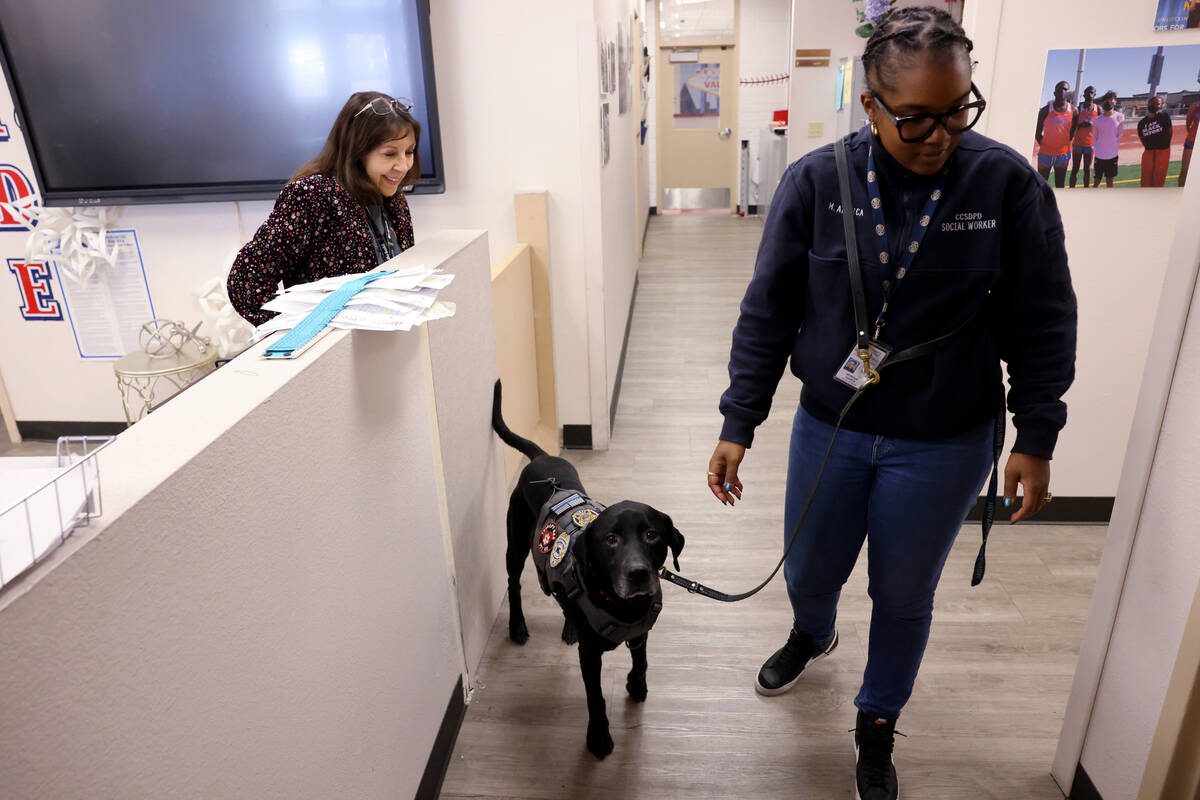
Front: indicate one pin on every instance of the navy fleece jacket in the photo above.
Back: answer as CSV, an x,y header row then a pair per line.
x,y
995,245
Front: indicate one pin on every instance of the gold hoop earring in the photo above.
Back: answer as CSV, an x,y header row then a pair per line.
x,y
874,129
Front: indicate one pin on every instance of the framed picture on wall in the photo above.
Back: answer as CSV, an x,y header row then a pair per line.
x,y
1118,117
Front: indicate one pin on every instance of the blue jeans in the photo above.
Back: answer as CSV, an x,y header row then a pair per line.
x,y
908,499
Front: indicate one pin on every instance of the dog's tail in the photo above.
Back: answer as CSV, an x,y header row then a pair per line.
x,y
528,448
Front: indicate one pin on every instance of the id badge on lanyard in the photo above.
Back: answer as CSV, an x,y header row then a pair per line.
x,y
858,368
855,373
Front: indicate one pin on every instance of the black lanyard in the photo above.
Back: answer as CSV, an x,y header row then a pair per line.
x,y
385,244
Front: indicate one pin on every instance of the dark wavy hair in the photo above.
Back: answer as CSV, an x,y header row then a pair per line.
x,y
355,134
906,33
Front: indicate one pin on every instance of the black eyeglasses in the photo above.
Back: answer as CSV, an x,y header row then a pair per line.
x,y
919,127
383,106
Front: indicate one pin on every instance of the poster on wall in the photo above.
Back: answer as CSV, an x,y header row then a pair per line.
x,y
1176,15
604,137
622,54
1118,117
107,314
612,67
624,65
603,49
697,96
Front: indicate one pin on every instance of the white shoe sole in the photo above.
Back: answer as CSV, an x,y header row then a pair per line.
x,y
765,692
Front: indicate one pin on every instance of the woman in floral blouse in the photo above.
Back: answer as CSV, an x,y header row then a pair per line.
x,y
341,213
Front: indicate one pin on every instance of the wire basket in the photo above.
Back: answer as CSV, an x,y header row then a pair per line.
x,y
56,495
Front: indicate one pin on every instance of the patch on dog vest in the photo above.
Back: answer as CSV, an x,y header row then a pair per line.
x,y
561,545
546,537
584,517
567,503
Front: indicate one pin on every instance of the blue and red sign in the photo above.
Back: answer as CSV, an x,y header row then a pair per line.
x,y
4,135
35,283
14,186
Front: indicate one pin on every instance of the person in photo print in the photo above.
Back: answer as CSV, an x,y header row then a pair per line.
x,y
975,236
1082,144
1054,133
343,212
1106,133
1154,131
1189,143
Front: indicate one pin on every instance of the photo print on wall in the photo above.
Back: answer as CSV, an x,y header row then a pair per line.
x,y
1120,117
697,96
604,137
1176,15
602,48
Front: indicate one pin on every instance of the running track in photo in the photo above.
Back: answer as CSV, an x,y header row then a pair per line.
x,y
1129,156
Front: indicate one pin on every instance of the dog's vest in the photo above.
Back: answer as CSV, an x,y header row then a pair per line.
x,y
561,521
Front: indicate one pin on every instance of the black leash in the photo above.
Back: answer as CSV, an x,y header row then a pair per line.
x,y
863,344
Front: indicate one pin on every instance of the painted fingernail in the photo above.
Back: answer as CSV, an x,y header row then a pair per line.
x,y
1007,502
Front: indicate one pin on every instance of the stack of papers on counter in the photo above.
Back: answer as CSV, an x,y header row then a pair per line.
x,y
397,302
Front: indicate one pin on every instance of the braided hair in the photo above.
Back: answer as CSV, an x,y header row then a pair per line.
x,y
907,32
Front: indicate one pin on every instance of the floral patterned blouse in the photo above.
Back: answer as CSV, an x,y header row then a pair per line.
x,y
316,230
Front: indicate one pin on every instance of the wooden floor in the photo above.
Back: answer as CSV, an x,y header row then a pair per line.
x,y
984,719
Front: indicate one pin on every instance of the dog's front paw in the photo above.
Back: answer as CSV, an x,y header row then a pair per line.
x,y
636,686
599,742
570,636
518,632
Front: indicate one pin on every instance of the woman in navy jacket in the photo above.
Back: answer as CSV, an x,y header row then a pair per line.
x,y
341,213
982,238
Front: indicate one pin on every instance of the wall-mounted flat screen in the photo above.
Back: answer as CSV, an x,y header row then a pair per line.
x,y
145,101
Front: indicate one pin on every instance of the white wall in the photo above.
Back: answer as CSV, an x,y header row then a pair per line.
x,y
512,104
763,40
183,246
613,253
1117,243
651,114
817,25
1151,562
509,94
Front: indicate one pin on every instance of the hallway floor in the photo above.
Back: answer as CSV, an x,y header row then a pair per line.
x,y
985,717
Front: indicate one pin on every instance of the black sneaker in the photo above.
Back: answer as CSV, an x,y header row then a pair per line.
x,y
875,775
781,671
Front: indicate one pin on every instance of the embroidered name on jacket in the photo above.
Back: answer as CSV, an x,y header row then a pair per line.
x,y
968,221
837,209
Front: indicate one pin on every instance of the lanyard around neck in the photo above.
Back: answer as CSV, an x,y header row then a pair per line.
x,y
385,248
909,253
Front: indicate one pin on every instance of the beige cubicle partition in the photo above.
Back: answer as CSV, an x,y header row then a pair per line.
x,y
297,563
524,332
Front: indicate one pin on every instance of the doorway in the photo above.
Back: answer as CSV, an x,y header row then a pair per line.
x,y
697,79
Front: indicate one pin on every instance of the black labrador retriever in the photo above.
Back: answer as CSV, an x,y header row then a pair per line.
x,y
600,564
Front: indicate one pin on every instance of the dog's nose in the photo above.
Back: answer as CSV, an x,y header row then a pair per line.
x,y
639,577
